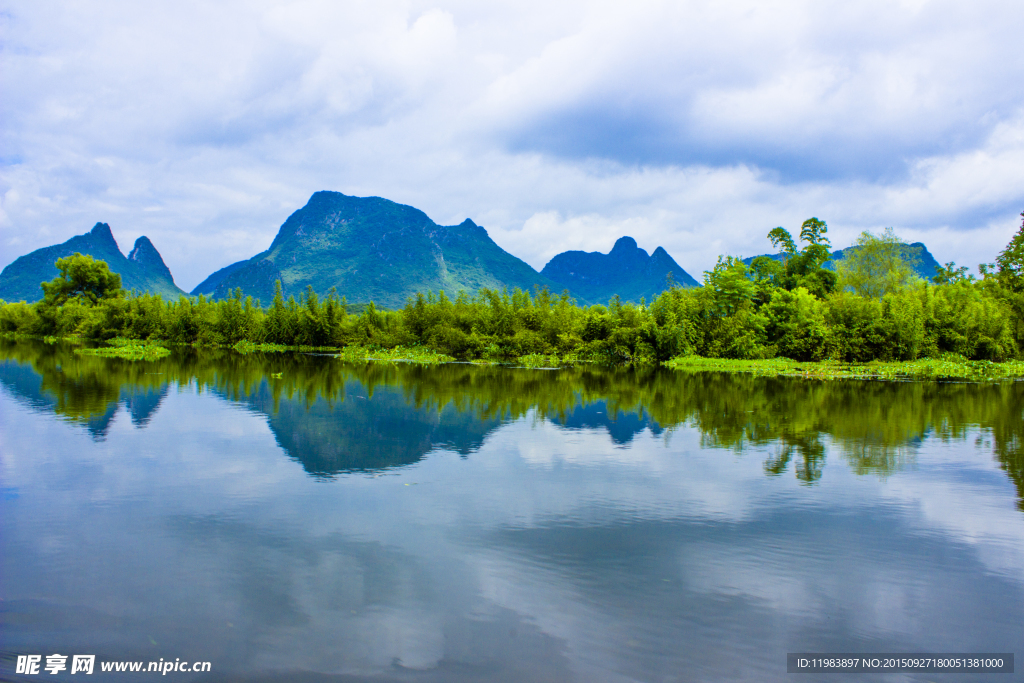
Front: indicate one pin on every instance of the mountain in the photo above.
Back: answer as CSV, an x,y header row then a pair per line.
x,y
926,266
372,249
143,269
626,270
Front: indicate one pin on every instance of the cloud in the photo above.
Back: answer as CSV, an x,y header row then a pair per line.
x,y
855,91
695,126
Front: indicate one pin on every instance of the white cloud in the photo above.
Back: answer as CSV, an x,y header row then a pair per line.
x,y
693,126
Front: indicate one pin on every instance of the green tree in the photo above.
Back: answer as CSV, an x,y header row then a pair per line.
x,y
783,241
798,269
877,265
1010,262
82,278
949,274
731,286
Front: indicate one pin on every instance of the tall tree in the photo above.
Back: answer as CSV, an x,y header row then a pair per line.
x,y
82,278
803,268
877,265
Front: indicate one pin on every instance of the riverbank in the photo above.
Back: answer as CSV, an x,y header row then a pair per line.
x,y
949,367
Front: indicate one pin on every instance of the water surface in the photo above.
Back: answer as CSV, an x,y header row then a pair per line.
x,y
289,517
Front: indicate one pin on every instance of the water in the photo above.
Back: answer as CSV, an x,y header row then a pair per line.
x,y
289,517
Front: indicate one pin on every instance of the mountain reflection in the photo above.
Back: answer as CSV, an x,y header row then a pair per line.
x,y
363,435
335,418
621,426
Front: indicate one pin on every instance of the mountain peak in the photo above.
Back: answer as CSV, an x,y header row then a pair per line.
x,y
374,249
101,232
628,253
143,270
624,245
626,270
146,255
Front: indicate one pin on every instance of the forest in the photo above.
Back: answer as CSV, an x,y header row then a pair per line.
x,y
868,307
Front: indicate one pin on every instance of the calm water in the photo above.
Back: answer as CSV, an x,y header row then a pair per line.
x,y
293,518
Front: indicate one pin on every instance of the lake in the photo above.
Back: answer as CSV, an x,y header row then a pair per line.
x,y
291,517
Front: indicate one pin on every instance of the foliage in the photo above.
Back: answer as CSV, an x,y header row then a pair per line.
x,y
804,268
83,279
1010,261
732,288
949,366
128,349
949,274
880,265
417,355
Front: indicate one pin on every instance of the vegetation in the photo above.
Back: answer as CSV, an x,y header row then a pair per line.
x,y
877,266
417,354
82,279
128,349
794,308
948,367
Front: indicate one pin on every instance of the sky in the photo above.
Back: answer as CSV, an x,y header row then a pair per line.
x,y
696,126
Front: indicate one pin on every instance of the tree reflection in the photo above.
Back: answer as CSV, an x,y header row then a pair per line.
x,y
874,426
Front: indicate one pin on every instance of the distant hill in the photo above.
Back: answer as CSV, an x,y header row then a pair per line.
x,y
372,249
926,266
626,270
143,269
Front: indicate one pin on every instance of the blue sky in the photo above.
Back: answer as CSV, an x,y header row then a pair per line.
x,y
697,126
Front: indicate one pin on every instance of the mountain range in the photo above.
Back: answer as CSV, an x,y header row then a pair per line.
x,y
626,270
142,270
373,249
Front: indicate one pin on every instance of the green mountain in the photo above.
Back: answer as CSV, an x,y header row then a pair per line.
x,y
143,270
626,270
372,249
925,264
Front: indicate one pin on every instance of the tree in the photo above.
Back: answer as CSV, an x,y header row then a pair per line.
x,y
783,241
1010,261
877,265
730,284
816,252
82,278
800,269
949,274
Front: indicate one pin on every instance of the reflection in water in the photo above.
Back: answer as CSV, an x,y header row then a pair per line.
x,y
325,416
621,426
467,523
362,435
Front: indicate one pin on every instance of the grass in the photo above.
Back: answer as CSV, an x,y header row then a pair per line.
x,y
415,354
949,367
127,349
246,346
